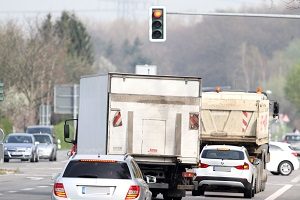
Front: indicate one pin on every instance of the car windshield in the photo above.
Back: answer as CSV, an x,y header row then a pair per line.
x,y
221,154
42,138
292,138
91,169
39,130
19,139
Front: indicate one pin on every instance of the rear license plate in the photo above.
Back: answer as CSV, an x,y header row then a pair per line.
x,y
222,169
96,190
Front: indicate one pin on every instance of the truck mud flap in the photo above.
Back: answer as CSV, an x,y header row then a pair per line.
x,y
158,185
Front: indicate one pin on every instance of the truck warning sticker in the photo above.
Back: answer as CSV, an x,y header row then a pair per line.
x,y
117,121
194,121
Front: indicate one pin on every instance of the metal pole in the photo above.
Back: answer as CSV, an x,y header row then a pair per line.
x,y
238,15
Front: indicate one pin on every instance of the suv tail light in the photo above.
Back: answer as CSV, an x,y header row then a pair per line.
x,y
295,153
245,166
59,190
203,165
133,192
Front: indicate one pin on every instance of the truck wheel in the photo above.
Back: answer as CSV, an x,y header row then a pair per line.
x,y
248,193
32,159
285,168
198,192
177,198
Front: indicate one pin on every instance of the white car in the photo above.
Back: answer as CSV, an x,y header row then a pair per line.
x,y
225,167
105,177
283,159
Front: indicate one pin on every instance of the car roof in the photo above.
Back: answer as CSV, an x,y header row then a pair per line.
x,y
40,126
121,158
41,134
280,143
26,134
231,147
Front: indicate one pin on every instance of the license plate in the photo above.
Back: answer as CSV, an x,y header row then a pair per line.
x,y
16,153
96,190
222,169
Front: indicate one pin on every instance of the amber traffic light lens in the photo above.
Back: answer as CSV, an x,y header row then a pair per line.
x,y
157,13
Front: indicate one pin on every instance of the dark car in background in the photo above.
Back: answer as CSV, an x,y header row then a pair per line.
x,y
41,129
46,147
294,140
20,146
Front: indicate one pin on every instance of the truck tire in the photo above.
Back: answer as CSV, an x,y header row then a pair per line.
x,y
285,168
199,192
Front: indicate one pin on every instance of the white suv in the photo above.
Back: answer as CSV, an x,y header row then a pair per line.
x,y
225,167
105,177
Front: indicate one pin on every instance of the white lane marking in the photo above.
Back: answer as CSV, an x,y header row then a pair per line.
x,y
279,192
296,179
12,191
34,178
43,186
27,189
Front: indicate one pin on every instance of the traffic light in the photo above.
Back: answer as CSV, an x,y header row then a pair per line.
x,y
1,91
157,24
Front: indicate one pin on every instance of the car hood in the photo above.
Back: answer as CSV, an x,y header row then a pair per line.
x,y
45,146
18,145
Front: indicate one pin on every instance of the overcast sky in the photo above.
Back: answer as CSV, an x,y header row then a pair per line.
x,y
110,9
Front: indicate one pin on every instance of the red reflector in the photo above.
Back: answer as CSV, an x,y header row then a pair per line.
x,y
188,174
133,192
295,153
203,165
245,166
59,190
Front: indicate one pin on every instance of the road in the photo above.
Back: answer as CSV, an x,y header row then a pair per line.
x,y
34,181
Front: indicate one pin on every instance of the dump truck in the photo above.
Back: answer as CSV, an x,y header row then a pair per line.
x,y
241,119
153,118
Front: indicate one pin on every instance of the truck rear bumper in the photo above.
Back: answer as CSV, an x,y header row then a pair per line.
x,y
158,185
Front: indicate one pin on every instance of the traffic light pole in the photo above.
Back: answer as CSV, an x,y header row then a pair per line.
x,y
238,15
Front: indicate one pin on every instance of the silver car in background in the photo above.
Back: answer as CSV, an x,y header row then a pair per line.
x,y
20,146
46,147
105,177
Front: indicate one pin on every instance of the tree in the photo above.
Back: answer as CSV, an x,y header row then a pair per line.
x,y
292,86
70,30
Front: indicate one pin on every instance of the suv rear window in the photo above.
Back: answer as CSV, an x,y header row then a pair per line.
x,y
221,154
111,170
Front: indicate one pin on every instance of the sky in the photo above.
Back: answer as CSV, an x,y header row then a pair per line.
x,y
111,9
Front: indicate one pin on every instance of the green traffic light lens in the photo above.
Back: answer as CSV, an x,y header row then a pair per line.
x,y
156,34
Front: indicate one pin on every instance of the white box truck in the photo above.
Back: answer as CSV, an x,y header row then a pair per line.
x,y
241,119
153,118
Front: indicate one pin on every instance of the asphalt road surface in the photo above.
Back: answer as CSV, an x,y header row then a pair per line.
x,y
33,181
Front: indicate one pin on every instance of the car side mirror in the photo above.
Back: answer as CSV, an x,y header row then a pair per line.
x,y
150,179
275,109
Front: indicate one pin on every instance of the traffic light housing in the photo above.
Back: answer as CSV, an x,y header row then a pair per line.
x,y
157,24
1,91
